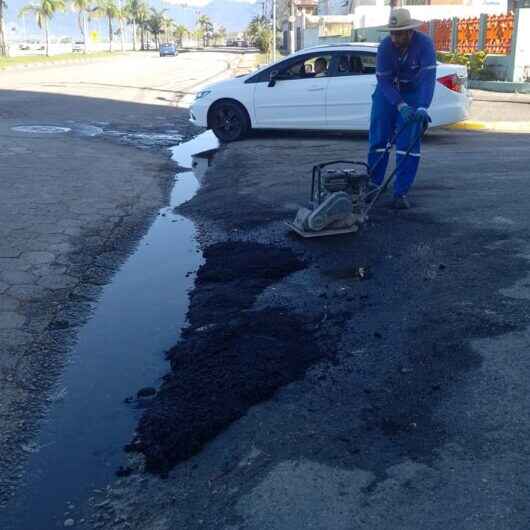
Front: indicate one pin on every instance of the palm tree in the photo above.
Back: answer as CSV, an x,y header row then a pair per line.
x,y
142,16
43,14
178,33
205,27
155,24
109,9
259,32
222,34
3,47
132,9
122,17
169,27
83,7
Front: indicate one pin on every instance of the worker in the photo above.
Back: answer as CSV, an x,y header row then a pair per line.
x,y
406,75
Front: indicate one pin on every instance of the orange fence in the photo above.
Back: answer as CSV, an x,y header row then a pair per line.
x,y
424,28
442,35
497,38
499,31
467,35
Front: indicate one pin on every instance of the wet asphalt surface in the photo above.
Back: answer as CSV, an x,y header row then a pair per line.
x,y
380,392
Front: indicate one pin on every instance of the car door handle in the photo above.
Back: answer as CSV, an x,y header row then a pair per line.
x,y
315,89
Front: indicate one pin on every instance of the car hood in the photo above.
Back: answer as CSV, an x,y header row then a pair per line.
x,y
227,83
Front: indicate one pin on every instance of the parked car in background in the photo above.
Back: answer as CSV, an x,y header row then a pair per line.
x,y
78,46
168,49
289,95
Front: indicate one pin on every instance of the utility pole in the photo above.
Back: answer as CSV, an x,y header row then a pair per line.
x,y
273,31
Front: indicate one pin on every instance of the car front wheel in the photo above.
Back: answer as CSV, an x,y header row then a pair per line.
x,y
229,121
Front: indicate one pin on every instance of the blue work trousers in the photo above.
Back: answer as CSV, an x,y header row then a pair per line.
x,y
384,120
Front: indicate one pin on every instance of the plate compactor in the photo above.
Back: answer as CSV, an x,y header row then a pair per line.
x,y
338,201
341,196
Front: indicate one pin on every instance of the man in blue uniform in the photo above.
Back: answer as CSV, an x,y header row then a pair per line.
x,y
406,75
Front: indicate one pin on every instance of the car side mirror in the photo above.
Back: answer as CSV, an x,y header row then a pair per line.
x,y
273,77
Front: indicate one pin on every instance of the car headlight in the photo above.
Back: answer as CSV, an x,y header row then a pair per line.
x,y
202,94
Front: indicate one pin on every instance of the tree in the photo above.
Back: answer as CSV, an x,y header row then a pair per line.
x,y
219,36
178,34
155,24
221,31
169,27
142,17
133,11
43,14
108,9
260,34
205,27
3,46
83,7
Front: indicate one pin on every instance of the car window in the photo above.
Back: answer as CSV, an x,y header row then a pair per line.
x,y
296,68
354,63
264,75
318,65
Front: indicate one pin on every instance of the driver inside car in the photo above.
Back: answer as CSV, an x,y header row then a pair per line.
x,y
321,67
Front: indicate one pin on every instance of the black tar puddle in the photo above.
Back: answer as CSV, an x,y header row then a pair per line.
x,y
119,350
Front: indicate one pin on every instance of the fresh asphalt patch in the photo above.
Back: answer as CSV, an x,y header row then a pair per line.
x,y
230,357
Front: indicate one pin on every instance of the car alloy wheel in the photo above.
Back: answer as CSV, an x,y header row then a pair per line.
x,y
229,122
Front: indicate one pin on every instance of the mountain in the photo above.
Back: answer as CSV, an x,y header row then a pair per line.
x,y
232,14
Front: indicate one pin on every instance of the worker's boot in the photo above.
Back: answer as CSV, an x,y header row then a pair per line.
x,y
400,203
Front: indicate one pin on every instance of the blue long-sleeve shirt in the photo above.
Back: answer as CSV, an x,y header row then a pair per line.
x,y
412,70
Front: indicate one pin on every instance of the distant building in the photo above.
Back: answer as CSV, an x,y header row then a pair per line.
x,y
291,15
369,13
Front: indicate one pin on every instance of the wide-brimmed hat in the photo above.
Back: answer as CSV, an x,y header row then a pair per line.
x,y
400,20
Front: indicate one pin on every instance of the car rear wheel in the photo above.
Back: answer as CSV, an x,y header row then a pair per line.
x,y
229,121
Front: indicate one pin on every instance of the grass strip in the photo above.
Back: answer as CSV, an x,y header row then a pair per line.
x,y
35,59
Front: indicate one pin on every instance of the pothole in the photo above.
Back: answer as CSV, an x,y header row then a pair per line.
x,y
146,139
185,154
41,129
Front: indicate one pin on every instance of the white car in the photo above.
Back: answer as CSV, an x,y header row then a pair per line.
x,y
289,95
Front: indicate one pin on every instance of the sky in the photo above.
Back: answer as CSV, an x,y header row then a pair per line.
x,y
234,15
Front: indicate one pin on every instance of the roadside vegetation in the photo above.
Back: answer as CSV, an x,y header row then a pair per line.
x,y
33,59
259,32
148,25
475,63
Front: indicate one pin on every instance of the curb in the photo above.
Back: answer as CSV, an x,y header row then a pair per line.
x,y
500,86
493,126
499,97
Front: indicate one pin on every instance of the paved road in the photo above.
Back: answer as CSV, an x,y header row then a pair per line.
x,y
400,397
142,78
73,204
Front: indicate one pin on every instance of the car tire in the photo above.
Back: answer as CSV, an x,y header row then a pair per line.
x,y
229,121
